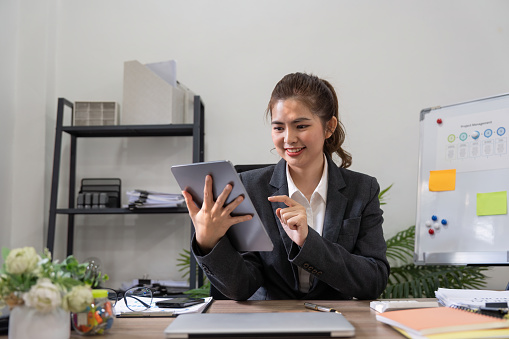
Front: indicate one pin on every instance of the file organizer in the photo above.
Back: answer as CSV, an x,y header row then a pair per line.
x,y
99,193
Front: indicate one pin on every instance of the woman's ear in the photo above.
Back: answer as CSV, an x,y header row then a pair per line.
x,y
331,127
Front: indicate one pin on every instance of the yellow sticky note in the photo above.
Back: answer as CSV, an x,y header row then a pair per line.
x,y
493,203
444,180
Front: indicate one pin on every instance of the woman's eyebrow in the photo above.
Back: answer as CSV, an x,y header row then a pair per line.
x,y
296,121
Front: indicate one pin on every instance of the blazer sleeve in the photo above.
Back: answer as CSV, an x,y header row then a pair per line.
x,y
237,276
355,264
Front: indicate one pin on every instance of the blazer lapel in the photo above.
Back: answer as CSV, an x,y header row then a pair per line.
x,y
336,203
279,182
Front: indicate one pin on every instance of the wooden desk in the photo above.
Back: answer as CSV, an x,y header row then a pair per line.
x,y
358,313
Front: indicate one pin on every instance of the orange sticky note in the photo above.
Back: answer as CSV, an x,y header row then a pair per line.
x,y
444,180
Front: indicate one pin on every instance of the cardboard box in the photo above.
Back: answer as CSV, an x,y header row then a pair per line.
x,y
149,98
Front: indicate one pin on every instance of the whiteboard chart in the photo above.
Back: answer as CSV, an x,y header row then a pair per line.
x,y
463,183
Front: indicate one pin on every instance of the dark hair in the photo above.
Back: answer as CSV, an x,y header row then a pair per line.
x,y
321,99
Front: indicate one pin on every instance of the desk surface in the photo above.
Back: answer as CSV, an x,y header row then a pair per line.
x,y
358,313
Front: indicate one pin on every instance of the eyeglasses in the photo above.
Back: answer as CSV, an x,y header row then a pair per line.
x,y
136,298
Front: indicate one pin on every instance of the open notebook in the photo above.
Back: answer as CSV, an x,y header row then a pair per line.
x,y
260,324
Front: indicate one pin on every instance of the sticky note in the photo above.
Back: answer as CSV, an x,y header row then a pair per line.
x,y
444,180
493,203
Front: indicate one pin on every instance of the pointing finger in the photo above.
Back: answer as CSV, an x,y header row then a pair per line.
x,y
284,199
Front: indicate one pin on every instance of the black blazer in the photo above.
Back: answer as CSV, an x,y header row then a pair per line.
x,y
347,261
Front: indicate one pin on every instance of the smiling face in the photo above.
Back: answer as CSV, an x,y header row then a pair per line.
x,y
298,134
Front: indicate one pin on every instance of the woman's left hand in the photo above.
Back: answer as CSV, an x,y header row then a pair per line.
x,y
293,218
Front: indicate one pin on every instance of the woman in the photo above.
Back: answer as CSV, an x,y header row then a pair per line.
x,y
325,221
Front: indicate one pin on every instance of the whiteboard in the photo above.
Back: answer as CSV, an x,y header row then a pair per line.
x,y
463,183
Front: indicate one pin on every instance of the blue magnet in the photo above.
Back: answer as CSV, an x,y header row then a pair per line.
x,y
434,218
444,222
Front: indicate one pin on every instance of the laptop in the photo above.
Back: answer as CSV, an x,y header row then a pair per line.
x,y
289,324
245,236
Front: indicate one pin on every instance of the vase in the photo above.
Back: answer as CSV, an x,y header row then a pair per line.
x,y
26,322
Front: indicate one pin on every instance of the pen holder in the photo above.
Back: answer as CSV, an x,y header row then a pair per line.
x,y
97,317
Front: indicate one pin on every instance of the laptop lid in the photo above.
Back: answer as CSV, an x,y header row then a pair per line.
x,y
260,324
245,236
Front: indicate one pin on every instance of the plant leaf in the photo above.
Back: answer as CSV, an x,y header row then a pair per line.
x,y
382,195
5,252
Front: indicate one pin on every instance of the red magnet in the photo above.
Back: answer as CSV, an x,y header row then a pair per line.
x,y
431,231
439,121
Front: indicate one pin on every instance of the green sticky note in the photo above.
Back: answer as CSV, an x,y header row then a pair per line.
x,y
493,203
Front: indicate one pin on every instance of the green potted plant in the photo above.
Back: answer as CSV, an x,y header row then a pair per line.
x,y
421,281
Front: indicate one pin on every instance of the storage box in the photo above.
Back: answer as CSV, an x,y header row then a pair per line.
x,y
148,98
99,193
96,113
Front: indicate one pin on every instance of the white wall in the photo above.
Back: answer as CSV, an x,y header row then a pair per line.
x,y
388,60
27,78
8,21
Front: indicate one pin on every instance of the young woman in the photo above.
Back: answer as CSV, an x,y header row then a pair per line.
x,y
325,221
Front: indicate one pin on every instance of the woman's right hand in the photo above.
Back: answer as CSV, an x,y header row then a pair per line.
x,y
214,218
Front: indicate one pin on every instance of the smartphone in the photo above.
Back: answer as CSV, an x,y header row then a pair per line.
x,y
179,302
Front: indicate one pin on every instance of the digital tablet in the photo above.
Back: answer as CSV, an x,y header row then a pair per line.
x,y
245,236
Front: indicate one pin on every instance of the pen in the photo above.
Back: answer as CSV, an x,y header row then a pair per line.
x,y
320,308
146,314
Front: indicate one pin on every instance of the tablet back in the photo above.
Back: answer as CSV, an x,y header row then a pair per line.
x,y
246,236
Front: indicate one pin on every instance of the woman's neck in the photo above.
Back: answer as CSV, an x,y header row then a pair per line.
x,y
306,179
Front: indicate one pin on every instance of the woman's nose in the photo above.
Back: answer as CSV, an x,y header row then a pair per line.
x,y
290,136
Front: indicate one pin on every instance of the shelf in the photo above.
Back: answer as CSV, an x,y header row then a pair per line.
x,y
130,130
194,130
74,211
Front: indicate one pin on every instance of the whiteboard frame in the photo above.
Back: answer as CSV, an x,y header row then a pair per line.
x,y
477,256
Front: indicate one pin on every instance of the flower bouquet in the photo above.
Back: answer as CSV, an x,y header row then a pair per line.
x,y
36,287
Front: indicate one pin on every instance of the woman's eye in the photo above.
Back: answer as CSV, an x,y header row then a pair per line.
x,y
302,126
278,128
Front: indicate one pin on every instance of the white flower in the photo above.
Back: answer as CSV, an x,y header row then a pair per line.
x,y
44,296
22,260
78,299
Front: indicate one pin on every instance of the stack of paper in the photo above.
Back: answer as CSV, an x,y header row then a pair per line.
x,y
470,298
151,199
391,305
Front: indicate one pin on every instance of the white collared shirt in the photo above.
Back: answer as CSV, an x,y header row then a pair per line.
x,y
315,211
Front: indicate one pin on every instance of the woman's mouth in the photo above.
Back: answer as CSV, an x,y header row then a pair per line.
x,y
293,152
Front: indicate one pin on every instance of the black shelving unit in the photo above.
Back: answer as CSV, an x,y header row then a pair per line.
x,y
196,130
